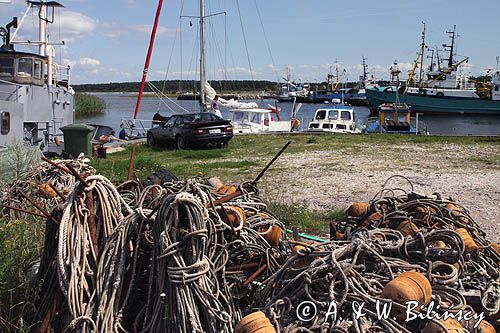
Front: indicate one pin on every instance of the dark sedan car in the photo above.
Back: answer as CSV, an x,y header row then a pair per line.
x,y
191,130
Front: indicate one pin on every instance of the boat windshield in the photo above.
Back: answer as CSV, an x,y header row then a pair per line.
x,y
345,115
333,115
7,67
255,118
240,116
25,67
320,114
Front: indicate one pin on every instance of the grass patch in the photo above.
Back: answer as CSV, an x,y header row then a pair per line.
x,y
247,154
299,217
87,105
21,243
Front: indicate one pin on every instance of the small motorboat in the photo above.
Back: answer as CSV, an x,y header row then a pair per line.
x,y
395,118
258,120
336,119
101,131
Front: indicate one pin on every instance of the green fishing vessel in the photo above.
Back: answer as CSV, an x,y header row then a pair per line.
x,y
440,90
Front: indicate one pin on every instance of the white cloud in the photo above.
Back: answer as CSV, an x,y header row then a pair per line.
x,y
160,32
116,30
76,25
89,62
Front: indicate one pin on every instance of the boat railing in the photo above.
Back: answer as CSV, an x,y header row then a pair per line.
x,y
137,128
62,75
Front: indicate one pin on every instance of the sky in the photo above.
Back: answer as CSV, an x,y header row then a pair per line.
x,y
107,40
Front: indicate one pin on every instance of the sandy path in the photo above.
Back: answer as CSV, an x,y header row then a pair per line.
x,y
469,174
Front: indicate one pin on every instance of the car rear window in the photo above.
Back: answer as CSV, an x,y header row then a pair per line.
x,y
205,117
187,119
171,121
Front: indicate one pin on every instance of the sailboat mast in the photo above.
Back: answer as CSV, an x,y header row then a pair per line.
x,y
202,55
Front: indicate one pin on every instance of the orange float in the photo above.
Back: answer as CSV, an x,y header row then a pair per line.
x,y
256,322
470,244
450,326
358,209
408,228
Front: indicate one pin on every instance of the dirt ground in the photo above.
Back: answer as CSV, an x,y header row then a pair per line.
x,y
469,174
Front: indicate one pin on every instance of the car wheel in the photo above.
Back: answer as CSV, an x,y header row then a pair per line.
x,y
150,140
180,143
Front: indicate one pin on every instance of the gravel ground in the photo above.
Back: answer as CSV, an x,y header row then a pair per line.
x,y
469,174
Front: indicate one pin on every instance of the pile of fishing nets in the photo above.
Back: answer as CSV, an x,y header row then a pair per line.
x,y
199,255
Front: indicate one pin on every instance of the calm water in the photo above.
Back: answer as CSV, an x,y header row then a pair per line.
x,y
119,106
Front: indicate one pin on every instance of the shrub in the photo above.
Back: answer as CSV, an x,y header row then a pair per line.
x,y
87,105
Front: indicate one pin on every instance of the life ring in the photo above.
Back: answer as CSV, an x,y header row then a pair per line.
x,y
440,94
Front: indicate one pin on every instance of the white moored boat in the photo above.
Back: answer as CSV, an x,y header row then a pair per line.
x,y
258,120
335,119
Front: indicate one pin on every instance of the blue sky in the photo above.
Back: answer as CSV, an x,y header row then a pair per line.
x,y
106,41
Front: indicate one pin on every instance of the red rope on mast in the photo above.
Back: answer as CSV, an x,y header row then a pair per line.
x,y
143,82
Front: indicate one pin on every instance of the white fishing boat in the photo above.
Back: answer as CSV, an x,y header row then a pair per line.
x,y
336,119
257,121
36,98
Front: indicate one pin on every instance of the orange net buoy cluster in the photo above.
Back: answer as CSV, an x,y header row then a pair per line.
x,y
199,255
424,257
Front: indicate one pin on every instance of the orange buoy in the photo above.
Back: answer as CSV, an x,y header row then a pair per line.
x,y
422,281
227,189
486,327
297,248
408,286
273,235
372,218
358,209
47,191
256,322
496,247
470,244
438,244
450,326
424,213
455,210
408,228
234,215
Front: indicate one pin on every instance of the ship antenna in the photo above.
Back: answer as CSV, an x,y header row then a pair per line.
x,y
422,50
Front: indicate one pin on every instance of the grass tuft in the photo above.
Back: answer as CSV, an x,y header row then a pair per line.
x,y
299,217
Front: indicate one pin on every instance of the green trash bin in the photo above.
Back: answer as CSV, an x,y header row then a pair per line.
x,y
77,139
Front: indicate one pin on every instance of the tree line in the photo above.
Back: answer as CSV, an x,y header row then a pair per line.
x,y
178,86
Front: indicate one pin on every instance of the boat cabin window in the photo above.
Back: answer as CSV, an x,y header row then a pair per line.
x,y
5,123
333,115
240,116
496,88
25,67
321,114
38,69
255,118
6,67
345,115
